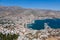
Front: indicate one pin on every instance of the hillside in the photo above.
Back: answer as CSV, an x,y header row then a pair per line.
x,y
15,10
14,20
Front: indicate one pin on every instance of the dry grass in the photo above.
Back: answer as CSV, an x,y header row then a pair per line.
x,y
51,38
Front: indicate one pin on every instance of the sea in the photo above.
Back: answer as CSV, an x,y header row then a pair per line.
x,y
39,24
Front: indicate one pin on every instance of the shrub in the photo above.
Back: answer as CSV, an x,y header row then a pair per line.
x,y
8,36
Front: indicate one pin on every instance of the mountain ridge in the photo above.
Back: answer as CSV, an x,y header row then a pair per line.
x,y
15,10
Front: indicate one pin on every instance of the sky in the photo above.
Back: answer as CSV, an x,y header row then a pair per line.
x,y
39,4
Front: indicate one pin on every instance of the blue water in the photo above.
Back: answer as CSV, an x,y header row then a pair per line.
x,y
39,24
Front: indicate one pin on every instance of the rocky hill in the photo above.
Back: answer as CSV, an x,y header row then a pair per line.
x,y
15,10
